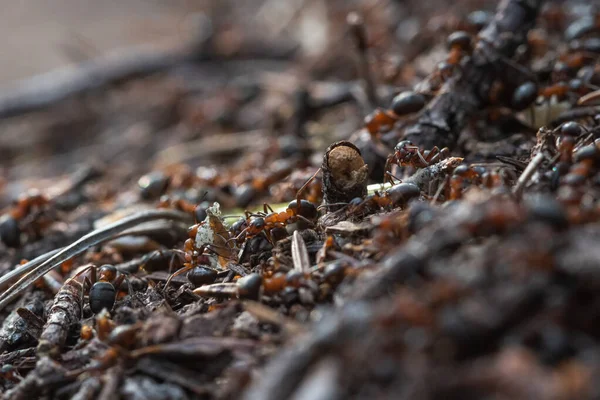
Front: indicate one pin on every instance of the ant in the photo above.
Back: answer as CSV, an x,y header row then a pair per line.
x,y
280,169
379,121
571,194
478,175
407,154
103,286
10,373
268,220
397,196
561,90
119,339
408,102
585,159
30,204
195,260
566,143
459,44
178,204
262,222
526,94
461,174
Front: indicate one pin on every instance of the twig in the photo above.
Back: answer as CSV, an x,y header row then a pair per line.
x,y
48,88
527,174
359,35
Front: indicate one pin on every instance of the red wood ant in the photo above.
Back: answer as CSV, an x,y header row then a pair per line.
x,y
103,284
461,174
30,204
260,183
262,222
195,260
397,196
585,159
408,102
478,175
459,44
407,154
379,121
269,220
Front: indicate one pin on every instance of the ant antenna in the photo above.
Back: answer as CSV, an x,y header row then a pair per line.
x,y
303,188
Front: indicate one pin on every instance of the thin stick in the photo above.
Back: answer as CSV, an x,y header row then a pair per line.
x,y
439,192
91,239
359,35
527,174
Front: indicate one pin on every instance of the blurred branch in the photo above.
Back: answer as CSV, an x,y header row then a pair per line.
x,y
46,89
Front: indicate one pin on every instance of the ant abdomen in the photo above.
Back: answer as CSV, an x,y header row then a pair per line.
x,y
102,295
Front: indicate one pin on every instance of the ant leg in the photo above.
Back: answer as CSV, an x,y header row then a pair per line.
x,y
93,277
81,272
87,285
392,159
432,154
117,282
238,237
269,237
323,206
267,208
439,191
171,262
392,177
421,157
306,220
176,273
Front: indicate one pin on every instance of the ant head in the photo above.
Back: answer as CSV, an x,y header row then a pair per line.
x,y
461,170
571,129
524,95
589,152
239,225
107,272
258,222
306,209
401,147
460,40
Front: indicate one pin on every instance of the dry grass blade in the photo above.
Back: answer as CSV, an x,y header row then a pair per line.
x,y
300,254
527,174
589,98
91,239
7,279
13,275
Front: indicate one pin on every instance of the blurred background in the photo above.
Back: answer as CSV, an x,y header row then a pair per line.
x,y
138,85
38,36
